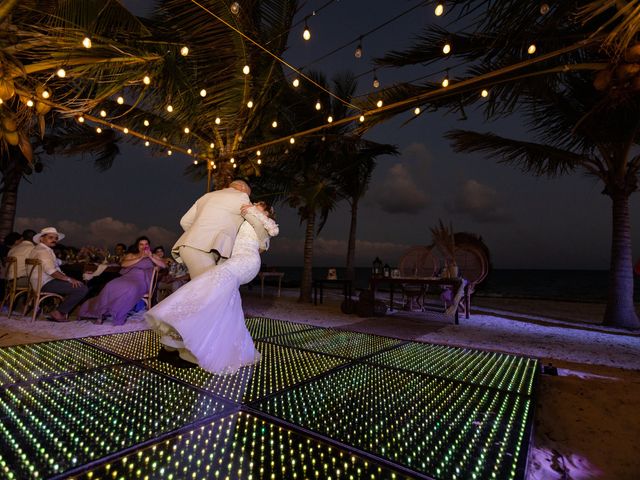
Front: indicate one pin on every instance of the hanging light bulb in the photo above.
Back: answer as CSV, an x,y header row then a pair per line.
x,y
417,111
318,105
379,103
46,94
169,152
146,144
103,113
439,9
274,124
376,82
544,8
446,49
292,140
98,130
232,160
203,93
235,8
61,73
445,81
484,93
361,118
211,145
80,119
358,51
125,130
189,151
296,82
86,42
146,123
250,104
306,34
212,163
146,80
259,161
120,100
246,69
186,130
169,108
532,49
184,51
258,153
329,119
217,120
195,162
29,103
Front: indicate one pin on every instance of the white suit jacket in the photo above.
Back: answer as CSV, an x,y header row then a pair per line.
x,y
213,222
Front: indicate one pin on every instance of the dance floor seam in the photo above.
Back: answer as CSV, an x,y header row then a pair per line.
x,y
321,403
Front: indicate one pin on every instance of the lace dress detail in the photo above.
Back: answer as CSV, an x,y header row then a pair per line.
x,y
206,313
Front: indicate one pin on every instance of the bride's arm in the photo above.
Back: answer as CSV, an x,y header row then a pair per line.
x,y
264,226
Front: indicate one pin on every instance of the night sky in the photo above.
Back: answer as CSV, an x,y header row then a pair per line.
x,y
527,222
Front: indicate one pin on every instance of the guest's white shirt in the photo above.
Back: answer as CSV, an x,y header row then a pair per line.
x,y
49,265
21,252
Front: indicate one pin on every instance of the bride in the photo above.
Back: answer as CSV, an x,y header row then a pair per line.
x,y
203,321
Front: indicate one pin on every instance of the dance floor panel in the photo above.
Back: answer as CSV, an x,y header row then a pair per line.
x,y
280,368
321,403
57,424
337,342
438,427
242,446
23,363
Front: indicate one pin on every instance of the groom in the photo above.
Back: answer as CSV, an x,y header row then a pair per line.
x,y
210,227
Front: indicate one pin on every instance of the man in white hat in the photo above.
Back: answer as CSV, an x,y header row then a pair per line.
x,y
53,279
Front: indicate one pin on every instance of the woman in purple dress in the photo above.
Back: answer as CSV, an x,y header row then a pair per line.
x,y
121,294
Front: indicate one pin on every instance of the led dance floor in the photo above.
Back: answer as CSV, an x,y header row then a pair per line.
x,y
322,403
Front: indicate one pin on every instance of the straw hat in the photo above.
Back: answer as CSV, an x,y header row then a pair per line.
x,y
46,231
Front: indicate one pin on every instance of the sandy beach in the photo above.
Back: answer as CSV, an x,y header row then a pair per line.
x,y
586,421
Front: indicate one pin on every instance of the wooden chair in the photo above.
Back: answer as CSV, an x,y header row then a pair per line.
x,y
35,296
148,297
417,262
12,290
473,264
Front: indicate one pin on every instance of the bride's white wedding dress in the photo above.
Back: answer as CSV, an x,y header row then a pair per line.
x,y
205,316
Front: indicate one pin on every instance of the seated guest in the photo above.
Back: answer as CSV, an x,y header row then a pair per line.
x,y
159,252
21,251
53,279
119,252
9,241
172,279
120,295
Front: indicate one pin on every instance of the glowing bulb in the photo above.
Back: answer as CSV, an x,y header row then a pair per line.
x,y
81,119
258,153
306,34
184,51
232,160
376,82
292,140
169,152
361,118
120,100
544,8
211,145
379,103
217,120
169,108
146,123
146,144
203,93
98,130
29,103
446,49
189,151
439,9
296,82
212,163
86,42
259,161
358,52
246,69
532,49
61,73
329,119
417,111
195,162
274,124
250,104
186,130
318,105
235,8
103,113
46,94
125,130
484,93
445,82
146,80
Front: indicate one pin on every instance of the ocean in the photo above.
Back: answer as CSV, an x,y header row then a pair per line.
x,y
572,285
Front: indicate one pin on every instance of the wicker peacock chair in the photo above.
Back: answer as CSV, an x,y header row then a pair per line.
x,y
417,262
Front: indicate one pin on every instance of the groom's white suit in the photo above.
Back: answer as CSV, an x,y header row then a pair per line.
x,y
210,228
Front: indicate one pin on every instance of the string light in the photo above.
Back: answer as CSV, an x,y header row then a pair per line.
x,y
306,34
232,160
29,103
203,93
259,161
61,73
211,145
235,8
329,119
186,130
376,82
212,163
361,118
120,100
484,93
246,69
217,120
146,144
195,162
146,123
445,81
98,130
189,151
80,119
86,42
146,80
184,51
125,130
318,105
169,152
46,93
296,82
379,103
103,113
274,124
250,104
169,108
446,49
417,111
258,153
544,8
358,52
292,140
439,9
532,49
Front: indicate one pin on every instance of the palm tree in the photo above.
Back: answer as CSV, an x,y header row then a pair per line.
x,y
578,97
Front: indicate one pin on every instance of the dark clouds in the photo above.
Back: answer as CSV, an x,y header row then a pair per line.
x,y
480,203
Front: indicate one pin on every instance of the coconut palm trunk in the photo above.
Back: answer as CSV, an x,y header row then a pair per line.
x,y
307,274
620,310
351,247
11,177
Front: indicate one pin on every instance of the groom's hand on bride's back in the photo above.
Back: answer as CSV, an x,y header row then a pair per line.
x,y
245,208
